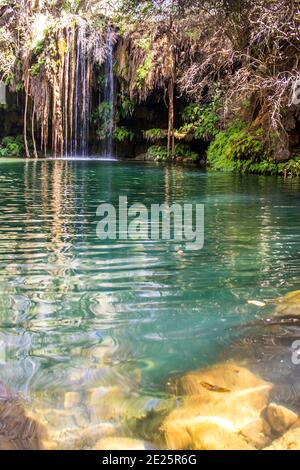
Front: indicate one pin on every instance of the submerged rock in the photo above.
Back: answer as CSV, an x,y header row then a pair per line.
x,y
80,420
219,404
220,379
257,432
280,418
288,306
18,431
289,441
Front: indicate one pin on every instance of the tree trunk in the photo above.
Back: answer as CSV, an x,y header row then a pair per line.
x,y
25,117
32,132
171,140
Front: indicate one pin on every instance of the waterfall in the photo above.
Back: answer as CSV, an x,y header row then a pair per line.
x,y
78,145
72,92
109,93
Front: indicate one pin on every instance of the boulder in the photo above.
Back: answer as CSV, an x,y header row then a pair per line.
x,y
141,157
280,418
288,306
218,407
202,433
289,441
17,430
219,379
257,433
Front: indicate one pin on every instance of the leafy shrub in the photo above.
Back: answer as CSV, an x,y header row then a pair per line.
x,y
122,133
157,152
191,113
126,106
238,149
154,134
39,47
160,152
144,69
101,118
12,147
200,120
36,67
292,167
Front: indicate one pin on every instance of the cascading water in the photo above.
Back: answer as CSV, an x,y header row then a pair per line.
x,y
81,106
109,93
72,93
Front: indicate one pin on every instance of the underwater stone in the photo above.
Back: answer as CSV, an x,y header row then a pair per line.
x,y
289,441
17,430
288,306
217,404
257,433
280,417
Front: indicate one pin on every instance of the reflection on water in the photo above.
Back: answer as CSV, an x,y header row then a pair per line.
x,y
81,318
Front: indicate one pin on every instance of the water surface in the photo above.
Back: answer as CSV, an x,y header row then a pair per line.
x,y
80,314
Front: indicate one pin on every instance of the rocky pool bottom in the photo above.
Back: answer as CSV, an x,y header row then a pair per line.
x,y
248,401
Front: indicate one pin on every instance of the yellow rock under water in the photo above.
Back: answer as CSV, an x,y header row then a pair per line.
x,y
280,417
289,441
218,404
258,433
18,430
289,305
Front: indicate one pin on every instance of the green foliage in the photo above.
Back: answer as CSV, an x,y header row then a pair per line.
x,y
12,147
101,118
160,152
126,106
100,77
71,6
39,47
122,133
292,167
238,149
207,126
201,121
154,134
157,152
9,79
36,68
191,113
144,69
145,43
19,86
